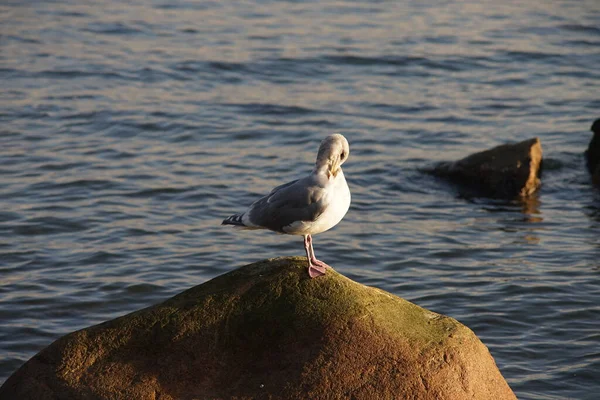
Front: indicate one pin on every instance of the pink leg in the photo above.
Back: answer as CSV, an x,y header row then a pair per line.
x,y
315,267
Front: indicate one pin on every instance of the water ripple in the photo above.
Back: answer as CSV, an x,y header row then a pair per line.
x,y
130,130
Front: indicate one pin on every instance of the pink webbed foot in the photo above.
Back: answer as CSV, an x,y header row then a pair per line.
x,y
316,271
319,263
317,268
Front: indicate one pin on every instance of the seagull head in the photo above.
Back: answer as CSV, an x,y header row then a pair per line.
x,y
333,152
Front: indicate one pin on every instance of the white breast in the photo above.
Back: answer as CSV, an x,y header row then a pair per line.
x,y
337,200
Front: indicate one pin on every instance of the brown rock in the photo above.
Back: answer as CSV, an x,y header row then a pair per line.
x,y
506,171
267,330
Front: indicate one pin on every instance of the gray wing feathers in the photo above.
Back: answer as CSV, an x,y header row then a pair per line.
x,y
294,201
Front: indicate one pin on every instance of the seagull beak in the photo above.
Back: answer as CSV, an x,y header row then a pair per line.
x,y
334,168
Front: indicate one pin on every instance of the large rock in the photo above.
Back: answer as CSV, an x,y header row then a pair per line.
x,y
267,330
506,171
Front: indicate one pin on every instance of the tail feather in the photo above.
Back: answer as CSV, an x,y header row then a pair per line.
x,y
235,219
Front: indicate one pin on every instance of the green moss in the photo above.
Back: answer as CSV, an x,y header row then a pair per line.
x,y
273,300
278,294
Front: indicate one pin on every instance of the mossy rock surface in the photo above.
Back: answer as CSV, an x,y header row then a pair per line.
x,y
267,330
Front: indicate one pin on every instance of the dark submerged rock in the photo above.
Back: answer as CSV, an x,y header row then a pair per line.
x,y
596,176
592,154
506,171
267,330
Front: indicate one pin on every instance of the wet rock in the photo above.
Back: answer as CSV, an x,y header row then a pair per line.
x,y
506,171
267,330
592,154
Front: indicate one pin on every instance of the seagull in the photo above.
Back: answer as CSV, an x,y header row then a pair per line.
x,y
306,206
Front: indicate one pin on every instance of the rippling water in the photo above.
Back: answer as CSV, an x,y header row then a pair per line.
x,y
129,131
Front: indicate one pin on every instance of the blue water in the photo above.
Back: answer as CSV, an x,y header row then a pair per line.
x,y
129,131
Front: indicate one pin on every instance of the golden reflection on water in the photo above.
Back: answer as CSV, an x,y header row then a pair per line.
x,y
530,207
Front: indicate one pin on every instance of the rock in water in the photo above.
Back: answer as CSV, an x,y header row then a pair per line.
x,y
267,330
596,176
506,171
592,154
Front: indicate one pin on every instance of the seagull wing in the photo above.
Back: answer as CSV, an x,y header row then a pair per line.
x,y
300,200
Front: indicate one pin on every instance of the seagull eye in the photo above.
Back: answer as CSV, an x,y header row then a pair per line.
x,y
343,155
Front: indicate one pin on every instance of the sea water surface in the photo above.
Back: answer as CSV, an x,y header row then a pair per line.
x,y
129,130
